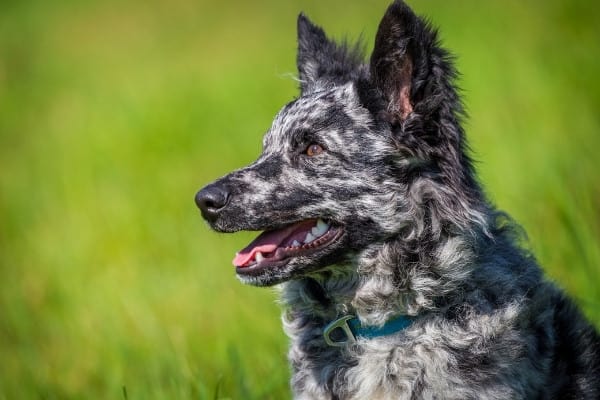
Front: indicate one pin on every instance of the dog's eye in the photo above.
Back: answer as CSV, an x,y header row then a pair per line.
x,y
313,149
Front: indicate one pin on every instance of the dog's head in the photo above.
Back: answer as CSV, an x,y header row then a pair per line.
x,y
360,157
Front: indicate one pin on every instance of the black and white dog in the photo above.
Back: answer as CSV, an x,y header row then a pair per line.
x,y
398,277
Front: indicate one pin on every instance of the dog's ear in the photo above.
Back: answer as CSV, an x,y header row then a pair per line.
x,y
400,60
321,59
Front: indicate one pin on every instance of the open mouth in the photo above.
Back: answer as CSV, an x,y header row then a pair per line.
x,y
279,246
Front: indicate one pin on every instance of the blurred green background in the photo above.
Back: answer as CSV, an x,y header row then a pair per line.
x,y
113,114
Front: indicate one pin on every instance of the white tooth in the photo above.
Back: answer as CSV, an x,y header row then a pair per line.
x,y
321,228
316,232
309,238
258,256
296,243
322,225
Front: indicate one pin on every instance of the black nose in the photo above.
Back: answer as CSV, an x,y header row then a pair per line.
x,y
211,200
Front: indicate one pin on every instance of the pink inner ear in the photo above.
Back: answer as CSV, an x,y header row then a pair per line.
x,y
405,106
400,105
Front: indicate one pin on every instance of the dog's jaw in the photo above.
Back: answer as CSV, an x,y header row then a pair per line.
x,y
273,246
290,263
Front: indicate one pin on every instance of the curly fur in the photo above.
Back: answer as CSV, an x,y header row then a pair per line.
x,y
420,238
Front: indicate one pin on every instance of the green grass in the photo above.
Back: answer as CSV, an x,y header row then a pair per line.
x,y
112,115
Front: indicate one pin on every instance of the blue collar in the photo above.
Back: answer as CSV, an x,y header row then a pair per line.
x,y
352,329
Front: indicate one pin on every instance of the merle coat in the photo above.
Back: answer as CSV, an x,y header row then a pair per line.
x,y
376,150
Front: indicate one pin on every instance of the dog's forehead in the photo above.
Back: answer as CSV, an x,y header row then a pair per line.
x,y
334,109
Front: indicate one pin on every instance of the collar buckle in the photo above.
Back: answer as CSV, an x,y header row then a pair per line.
x,y
344,326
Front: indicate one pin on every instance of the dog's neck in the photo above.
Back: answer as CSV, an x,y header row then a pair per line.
x,y
383,281
419,274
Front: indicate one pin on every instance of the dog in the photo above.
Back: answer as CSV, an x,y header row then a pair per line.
x,y
398,278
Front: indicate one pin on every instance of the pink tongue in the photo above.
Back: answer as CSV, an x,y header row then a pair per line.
x,y
266,242
247,254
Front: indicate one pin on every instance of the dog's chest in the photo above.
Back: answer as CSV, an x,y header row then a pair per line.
x,y
425,361
379,369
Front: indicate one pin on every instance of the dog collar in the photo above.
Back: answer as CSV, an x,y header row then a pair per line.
x,y
351,328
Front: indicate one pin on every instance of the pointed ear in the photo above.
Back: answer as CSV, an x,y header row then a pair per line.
x,y
321,59
312,43
397,57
